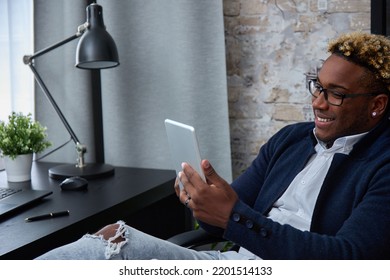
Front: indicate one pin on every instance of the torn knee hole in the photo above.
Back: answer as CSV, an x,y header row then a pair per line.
x,y
113,233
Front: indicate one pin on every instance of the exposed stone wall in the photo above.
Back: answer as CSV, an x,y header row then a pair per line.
x,y
270,44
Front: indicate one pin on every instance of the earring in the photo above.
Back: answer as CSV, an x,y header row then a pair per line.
x,y
373,114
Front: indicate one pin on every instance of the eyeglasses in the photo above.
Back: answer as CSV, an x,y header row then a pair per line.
x,y
332,97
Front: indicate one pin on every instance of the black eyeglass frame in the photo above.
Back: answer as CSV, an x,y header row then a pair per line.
x,y
337,95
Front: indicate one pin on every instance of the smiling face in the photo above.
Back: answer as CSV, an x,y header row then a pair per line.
x,y
354,116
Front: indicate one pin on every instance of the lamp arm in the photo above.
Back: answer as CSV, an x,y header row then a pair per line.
x,y
29,60
53,103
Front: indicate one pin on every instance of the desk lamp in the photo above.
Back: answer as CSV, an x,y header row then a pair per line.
x,y
95,50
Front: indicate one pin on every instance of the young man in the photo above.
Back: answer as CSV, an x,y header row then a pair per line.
x,y
318,190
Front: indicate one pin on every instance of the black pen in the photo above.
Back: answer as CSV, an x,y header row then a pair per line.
x,y
47,216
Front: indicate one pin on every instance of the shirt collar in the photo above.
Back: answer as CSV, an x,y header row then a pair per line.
x,y
342,145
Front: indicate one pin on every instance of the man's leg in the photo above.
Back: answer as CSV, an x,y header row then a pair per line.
x,y
119,241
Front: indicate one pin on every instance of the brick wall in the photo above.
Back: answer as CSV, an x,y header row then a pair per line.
x,y
270,44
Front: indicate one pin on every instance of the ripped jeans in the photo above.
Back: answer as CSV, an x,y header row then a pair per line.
x,y
135,245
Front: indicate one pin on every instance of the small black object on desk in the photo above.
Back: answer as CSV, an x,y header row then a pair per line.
x,y
74,184
48,216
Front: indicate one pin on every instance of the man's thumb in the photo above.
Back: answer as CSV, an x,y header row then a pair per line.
x,y
211,176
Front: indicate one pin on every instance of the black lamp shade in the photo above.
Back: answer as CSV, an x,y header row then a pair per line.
x,y
96,48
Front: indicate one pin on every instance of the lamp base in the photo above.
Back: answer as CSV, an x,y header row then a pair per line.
x,y
90,171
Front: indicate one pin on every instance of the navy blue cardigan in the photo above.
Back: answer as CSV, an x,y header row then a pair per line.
x,y
351,218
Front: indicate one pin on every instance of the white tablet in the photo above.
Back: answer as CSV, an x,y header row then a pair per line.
x,y
183,146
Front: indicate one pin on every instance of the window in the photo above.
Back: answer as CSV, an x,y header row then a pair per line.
x,y
380,17
16,40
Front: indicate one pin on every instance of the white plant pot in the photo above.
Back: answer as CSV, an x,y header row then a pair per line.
x,y
18,169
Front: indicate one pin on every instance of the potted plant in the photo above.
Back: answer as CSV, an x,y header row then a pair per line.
x,y
20,138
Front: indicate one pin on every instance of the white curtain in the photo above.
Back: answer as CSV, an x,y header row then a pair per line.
x,y
172,55
16,40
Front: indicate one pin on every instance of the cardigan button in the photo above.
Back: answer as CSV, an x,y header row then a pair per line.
x,y
263,232
236,217
249,224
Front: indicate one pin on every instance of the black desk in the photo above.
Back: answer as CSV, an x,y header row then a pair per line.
x,y
134,195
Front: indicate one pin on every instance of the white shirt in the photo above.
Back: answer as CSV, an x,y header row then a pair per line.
x,y
295,207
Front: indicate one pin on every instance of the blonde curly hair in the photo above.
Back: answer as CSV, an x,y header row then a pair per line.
x,y
368,50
